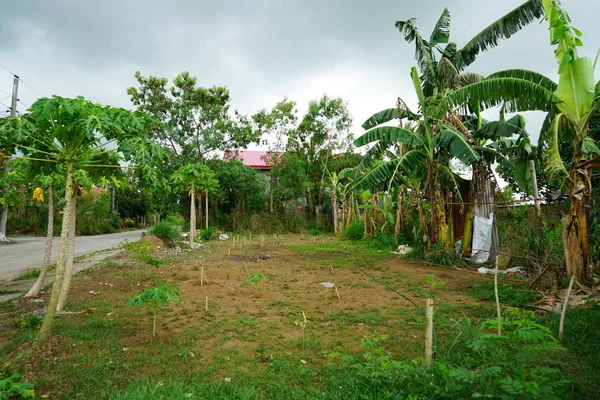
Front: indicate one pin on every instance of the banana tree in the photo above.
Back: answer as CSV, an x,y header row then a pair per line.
x,y
77,135
196,178
431,139
570,105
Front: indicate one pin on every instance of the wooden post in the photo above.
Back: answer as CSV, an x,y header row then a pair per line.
x,y
563,312
497,298
337,293
429,332
201,276
206,303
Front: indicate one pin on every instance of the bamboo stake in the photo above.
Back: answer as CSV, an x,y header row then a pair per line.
x,y
203,277
563,312
247,270
332,270
337,293
250,239
206,303
497,298
429,332
229,252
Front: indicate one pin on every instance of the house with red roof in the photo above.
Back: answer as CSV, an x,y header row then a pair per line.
x,y
258,160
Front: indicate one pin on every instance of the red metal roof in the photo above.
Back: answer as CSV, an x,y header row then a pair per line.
x,y
253,159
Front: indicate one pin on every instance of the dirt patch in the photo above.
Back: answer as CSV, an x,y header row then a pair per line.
x,y
252,257
155,241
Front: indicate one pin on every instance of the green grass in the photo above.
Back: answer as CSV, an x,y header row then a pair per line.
x,y
512,292
28,274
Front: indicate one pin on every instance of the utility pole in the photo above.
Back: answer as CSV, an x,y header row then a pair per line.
x,y
13,114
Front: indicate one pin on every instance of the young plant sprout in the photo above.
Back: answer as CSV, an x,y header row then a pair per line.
x,y
157,297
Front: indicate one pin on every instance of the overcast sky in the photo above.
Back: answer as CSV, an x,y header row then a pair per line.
x,y
262,50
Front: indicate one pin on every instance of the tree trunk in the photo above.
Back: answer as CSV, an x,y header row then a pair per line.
x,y
68,271
37,286
443,231
62,252
271,187
4,216
192,217
365,222
335,210
575,227
422,220
206,216
400,223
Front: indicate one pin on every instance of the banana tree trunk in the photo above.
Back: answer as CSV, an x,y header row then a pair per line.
x,y
335,211
62,253
192,217
467,239
399,223
37,286
423,220
443,230
68,271
575,227
206,200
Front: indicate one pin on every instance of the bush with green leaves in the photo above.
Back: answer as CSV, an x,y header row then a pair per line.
x,y
12,386
207,234
479,364
354,231
155,297
255,278
28,321
165,231
141,250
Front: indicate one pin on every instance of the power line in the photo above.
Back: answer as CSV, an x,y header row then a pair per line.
x,y
22,81
30,88
5,92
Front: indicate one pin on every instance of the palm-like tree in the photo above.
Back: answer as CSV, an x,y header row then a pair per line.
x,y
570,105
77,135
196,177
423,138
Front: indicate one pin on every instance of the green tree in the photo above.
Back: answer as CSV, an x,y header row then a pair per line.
x,y
571,105
323,131
76,134
243,190
196,178
191,121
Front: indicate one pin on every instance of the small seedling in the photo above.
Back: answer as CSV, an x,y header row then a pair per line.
x,y
157,296
255,278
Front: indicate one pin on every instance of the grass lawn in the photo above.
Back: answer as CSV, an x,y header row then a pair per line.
x,y
253,341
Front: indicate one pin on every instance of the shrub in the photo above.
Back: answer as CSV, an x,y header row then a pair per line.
x,y
11,386
443,257
207,234
480,364
142,251
166,231
384,241
28,321
354,231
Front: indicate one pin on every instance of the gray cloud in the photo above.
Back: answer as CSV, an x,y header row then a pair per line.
x,y
262,50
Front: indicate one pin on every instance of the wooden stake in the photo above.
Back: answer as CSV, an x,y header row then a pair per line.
x,y
563,312
336,292
250,239
314,239
229,252
429,332
206,303
203,277
247,270
497,298
332,270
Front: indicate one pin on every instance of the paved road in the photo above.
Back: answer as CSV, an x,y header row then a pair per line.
x,y
28,252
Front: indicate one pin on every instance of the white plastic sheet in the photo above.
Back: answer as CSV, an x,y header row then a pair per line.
x,y
482,238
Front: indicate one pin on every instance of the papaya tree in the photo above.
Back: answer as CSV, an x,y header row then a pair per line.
x,y
48,182
196,178
77,135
